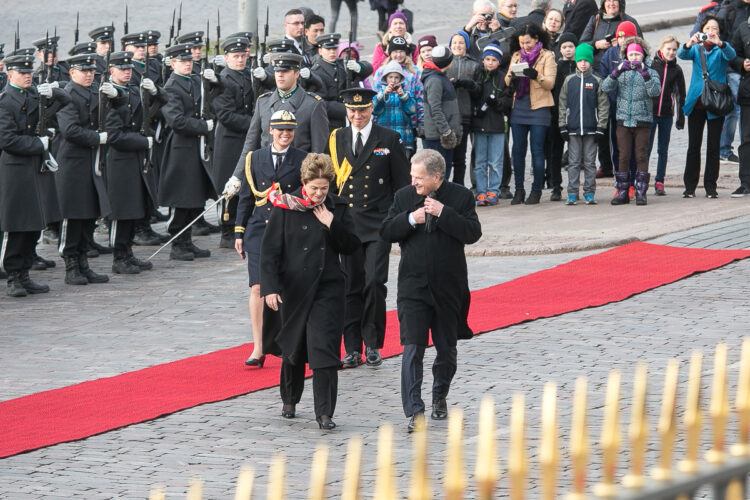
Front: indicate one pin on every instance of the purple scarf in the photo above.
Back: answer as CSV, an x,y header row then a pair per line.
x,y
530,58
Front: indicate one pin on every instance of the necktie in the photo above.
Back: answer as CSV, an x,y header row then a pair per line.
x,y
358,146
279,159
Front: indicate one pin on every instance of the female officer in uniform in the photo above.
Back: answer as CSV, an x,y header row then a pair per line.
x,y
302,277
274,165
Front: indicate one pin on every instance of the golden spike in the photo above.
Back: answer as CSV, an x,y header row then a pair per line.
x,y
318,473
719,406
157,493
667,422
734,490
638,430
350,489
517,462
487,469
276,479
693,417
579,442
742,448
385,489
549,457
195,489
610,438
455,480
245,483
419,488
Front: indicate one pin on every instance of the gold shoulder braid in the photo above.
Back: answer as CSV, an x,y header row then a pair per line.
x,y
343,170
261,197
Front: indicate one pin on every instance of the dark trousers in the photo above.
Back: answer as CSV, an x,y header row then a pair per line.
x,y
366,275
697,120
181,217
553,152
633,141
459,158
17,250
75,236
447,154
608,144
744,150
507,165
664,126
325,386
121,233
420,315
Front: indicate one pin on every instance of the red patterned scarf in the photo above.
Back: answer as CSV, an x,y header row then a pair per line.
x,y
290,202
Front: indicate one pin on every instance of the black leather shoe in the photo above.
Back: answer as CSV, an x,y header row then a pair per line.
x,y
439,409
122,266
325,423
352,359
143,265
73,272
86,272
40,264
412,425
30,286
373,356
251,361
147,237
534,198
179,252
199,253
518,197
100,248
288,411
505,193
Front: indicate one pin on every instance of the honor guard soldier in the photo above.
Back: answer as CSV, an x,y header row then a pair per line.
x,y
371,165
275,166
3,74
308,80
50,70
310,110
195,40
28,201
80,184
82,48
131,183
102,37
332,70
136,43
233,109
152,40
185,182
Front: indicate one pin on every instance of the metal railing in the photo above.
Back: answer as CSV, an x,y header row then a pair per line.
x,y
724,469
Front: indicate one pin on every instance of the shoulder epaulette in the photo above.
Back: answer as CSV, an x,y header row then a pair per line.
x,y
265,95
316,96
708,6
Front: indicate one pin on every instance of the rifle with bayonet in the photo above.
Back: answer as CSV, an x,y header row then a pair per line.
x,y
217,47
75,34
102,116
206,114
349,53
179,21
171,29
125,24
45,76
17,39
165,67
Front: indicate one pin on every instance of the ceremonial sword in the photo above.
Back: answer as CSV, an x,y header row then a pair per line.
x,y
221,198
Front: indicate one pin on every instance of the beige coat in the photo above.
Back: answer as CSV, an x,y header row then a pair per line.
x,y
540,90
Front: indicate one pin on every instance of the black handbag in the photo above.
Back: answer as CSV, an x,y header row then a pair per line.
x,y
716,96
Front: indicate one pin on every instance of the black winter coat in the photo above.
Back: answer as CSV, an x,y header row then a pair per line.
x,y
28,197
433,265
672,86
741,44
81,192
300,260
233,108
598,28
491,101
577,15
129,184
185,181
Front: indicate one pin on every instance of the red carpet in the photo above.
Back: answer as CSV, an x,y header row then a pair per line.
x,y
98,406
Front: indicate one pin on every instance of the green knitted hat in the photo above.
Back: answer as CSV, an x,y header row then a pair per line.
x,y
585,51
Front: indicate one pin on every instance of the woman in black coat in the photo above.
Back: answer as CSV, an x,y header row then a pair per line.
x,y
301,276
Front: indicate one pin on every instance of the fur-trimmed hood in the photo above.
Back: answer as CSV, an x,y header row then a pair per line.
x,y
634,39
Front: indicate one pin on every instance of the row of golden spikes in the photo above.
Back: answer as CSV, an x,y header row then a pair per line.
x,y
487,471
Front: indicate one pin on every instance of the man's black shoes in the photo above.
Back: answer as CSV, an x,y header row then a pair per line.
x,y
352,359
413,420
439,409
373,356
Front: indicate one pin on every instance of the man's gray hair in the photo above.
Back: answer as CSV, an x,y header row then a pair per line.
x,y
482,5
540,5
433,162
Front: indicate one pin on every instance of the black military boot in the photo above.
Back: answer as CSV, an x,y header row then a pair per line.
x,y
227,236
145,236
121,265
199,253
212,228
40,264
86,272
15,289
200,228
73,272
143,265
100,248
181,251
30,286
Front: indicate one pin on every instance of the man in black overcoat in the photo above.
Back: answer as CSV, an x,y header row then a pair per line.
x,y
233,108
80,182
371,165
28,199
431,220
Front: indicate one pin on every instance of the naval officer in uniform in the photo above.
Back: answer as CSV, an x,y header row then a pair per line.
x,y
371,165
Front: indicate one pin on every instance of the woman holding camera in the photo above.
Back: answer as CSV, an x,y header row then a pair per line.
x,y
718,54
600,30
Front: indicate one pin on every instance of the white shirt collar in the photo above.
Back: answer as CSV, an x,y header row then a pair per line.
x,y
365,134
274,150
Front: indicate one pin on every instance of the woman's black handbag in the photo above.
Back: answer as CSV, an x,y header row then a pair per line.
x,y
716,96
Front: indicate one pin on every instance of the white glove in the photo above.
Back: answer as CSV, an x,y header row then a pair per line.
x,y
45,89
55,85
45,142
150,142
148,84
102,138
108,89
259,73
167,61
353,65
210,125
267,58
209,75
51,132
304,73
220,60
231,187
